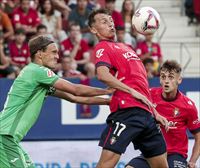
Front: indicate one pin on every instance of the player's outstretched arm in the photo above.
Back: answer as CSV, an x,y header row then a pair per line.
x,y
106,77
80,90
195,151
81,100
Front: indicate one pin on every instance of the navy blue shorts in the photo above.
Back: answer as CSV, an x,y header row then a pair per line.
x,y
134,125
174,161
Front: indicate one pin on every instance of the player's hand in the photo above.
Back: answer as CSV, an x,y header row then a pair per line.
x,y
191,165
110,90
162,120
142,98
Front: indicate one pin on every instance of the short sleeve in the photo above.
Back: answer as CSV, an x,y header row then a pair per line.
x,y
46,76
102,57
193,120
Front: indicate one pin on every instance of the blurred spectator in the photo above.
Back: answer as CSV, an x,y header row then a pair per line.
x,y
61,5
78,49
51,18
122,37
6,25
41,29
120,33
149,66
80,15
19,50
34,4
8,6
196,6
189,11
117,17
5,69
25,17
150,49
93,4
69,70
128,10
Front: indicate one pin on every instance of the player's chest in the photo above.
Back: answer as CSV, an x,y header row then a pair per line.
x,y
176,114
123,53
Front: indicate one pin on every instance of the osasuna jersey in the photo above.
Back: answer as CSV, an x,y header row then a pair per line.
x,y
121,59
25,99
182,115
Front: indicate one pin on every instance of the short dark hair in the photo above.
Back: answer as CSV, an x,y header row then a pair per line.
x,y
20,31
148,61
73,24
39,43
171,65
120,28
91,19
41,26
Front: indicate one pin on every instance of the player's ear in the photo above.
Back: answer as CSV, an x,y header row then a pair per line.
x,y
180,80
39,54
93,30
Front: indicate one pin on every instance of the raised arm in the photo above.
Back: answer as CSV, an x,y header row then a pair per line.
x,y
81,100
106,77
79,90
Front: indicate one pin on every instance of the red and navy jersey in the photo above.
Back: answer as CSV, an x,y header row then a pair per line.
x,y
123,60
182,115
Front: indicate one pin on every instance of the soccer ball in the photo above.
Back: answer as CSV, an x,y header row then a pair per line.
x,y
146,20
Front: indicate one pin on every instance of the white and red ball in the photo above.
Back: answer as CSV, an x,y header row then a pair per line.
x,y
146,20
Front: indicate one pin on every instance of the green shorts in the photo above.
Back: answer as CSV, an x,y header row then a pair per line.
x,y
12,155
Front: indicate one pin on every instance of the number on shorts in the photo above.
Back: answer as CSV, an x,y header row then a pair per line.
x,y
119,128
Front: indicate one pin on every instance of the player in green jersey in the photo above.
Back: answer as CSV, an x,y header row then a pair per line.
x,y
27,94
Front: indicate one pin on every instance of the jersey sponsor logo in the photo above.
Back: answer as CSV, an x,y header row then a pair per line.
x,y
130,56
50,73
197,121
172,125
176,112
99,53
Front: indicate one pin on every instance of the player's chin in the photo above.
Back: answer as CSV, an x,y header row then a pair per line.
x,y
52,66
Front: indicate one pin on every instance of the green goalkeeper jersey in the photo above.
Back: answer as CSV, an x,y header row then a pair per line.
x,y
25,99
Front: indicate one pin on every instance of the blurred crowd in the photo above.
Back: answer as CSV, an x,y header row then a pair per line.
x,y
67,22
192,10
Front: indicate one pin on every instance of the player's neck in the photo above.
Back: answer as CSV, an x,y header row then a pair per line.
x,y
170,96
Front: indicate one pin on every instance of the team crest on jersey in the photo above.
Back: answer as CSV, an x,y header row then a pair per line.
x,y
50,73
113,140
176,112
99,53
130,56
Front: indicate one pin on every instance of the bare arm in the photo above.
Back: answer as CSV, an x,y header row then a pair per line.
x,y
78,89
106,77
82,100
61,5
195,151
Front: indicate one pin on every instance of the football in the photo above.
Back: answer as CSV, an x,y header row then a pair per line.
x,y
146,20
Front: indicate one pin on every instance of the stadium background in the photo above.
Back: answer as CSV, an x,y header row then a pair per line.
x,y
62,139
